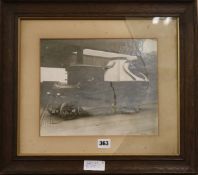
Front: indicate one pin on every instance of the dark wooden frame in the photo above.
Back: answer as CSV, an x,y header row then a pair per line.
x,y
186,10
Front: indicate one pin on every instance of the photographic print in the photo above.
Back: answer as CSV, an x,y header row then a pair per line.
x,y
98,87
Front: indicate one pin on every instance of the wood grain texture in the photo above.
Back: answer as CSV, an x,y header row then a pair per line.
x,y
196,80
1,83
101,1
186,10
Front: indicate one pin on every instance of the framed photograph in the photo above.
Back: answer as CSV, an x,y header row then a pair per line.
x,y
97,83
99,87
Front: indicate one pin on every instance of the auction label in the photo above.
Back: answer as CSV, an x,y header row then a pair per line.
x,y
94,165
104,143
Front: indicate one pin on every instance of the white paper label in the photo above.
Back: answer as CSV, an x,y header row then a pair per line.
x,y
94,165
104,143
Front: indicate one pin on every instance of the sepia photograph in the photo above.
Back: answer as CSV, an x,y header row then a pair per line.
x,y
98,87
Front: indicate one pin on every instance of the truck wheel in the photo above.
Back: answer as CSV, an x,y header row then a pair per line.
x,y
67,111
50,109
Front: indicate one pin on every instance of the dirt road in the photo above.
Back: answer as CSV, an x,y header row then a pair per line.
x,y
140,123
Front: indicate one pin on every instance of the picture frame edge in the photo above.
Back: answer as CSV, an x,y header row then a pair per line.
x,y
186,163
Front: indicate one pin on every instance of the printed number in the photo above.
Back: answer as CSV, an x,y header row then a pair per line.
x,y
103,143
